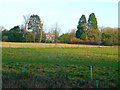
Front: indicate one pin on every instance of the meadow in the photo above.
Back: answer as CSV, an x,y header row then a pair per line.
x,y
65,66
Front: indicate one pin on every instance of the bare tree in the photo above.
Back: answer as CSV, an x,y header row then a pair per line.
x,y
72,33
26,20
2,28
41,31
56,31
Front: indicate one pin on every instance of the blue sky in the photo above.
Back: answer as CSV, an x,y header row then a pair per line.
x,y
65,13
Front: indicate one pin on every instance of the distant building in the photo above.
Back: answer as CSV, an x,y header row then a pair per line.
x,y
50,36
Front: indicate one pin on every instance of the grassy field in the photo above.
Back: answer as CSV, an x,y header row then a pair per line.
x,y
37,45
59,66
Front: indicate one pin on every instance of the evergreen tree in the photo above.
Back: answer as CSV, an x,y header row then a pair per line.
x,y
81,28
15,34
93,32
92,21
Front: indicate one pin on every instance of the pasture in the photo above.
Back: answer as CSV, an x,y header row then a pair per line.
x,y
66,66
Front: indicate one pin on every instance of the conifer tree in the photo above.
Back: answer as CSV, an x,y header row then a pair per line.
x,y
92,21
93,32
81,28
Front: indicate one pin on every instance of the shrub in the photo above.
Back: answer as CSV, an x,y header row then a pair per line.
x,y
78,41
111,41
5,38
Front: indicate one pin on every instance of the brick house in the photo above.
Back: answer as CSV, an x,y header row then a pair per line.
x,y
50,36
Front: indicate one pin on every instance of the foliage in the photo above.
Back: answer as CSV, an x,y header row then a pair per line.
x,y
35,25
56,31
92,21
81,28
93,32
72,34
78,41
109,36
86,33
64,38
15,34
109,30
98,38
56,35
43,37
5,38
111,41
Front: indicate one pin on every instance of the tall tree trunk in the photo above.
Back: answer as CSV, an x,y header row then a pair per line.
x,y
41,30
34,36
40,36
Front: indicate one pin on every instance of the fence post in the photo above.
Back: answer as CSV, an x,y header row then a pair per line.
x,y
55,44
96,83
91,72
25,65
91,76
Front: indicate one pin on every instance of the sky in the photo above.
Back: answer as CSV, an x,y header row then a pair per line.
x,y
66,13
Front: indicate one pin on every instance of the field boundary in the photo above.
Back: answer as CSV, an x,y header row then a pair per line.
x,y
36,45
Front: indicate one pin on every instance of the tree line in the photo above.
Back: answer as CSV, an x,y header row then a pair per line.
x,y
87,32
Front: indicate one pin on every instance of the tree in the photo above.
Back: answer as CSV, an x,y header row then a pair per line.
x,y
72,33
43,37
81,28
55,29
111,41
5,38
98,38
26,20
3,33
93,32
25,27
110,31
92,21
35,25
109,36
15,34
105,37
1,29
41,31
64,38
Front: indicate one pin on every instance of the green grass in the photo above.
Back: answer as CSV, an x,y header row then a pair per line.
x,y
74,61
